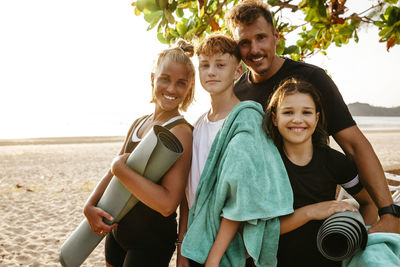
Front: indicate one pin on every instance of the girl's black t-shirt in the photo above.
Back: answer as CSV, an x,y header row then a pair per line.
x,y
314,183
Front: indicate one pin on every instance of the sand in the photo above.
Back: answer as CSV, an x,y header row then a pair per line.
x,y
44,184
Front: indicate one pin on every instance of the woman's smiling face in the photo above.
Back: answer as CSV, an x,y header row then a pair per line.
x,y
171,84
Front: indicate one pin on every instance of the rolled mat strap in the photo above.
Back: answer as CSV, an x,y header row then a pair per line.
x,y
152,158
341,235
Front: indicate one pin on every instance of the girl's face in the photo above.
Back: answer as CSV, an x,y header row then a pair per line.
x,y
296,119
170,84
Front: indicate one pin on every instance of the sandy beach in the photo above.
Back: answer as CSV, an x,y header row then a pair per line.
x,y
44,184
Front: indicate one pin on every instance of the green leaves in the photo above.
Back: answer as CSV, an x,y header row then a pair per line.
x,y
324,22
389,26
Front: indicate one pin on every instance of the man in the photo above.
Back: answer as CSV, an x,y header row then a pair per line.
x,y
251,25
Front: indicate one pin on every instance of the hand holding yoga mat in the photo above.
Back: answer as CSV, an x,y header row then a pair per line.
x,y
152,158
341,235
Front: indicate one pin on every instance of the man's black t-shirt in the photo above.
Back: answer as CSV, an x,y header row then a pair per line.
x,y
314,183
337,114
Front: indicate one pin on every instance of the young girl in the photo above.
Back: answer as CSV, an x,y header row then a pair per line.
x,y
295,121
146,235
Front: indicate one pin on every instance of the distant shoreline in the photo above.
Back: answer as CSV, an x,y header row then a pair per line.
x,y
107,139
61,140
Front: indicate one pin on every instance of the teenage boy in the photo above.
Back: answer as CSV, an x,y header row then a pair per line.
x,y
237,177
251,25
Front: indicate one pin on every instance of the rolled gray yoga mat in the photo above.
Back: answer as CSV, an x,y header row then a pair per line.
x,y
152,158
341,235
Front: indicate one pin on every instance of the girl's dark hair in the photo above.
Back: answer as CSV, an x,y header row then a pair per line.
x,y
291,86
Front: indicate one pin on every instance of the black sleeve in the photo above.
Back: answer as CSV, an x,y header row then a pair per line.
x,y
344,171
337,114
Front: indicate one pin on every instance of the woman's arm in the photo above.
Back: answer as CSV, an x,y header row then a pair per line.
x,y
368,209
226,232
317,211
94,214
166,197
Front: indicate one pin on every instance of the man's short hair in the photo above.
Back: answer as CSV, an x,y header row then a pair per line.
x,y
247,12
218,43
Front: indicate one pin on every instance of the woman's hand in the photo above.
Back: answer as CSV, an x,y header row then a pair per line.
x,y
119,162
95,216
323,210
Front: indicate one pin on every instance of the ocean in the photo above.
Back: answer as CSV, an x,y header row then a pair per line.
x,y
114,126
377,123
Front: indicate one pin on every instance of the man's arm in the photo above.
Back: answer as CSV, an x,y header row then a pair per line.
x,y
357,147
367,207
226,232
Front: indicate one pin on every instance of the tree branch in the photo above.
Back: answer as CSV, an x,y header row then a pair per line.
x,y
380,4
211,17
286,4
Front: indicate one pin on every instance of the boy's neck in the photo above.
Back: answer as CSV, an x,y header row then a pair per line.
x,y
299,154
222,105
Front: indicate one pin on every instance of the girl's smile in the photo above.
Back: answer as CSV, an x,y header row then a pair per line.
x,y
296,119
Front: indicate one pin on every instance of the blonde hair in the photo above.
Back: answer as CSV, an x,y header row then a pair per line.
x,y
180,53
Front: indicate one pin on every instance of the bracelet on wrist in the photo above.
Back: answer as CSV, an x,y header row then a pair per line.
x,y
178,242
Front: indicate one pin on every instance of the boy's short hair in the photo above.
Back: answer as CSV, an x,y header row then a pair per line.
x,y
218,43
247,12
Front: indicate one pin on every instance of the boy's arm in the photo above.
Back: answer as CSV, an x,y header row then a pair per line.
x,y
181,261
226,232
357,147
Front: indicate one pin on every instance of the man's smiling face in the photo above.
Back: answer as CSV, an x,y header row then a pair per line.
x,y
257,43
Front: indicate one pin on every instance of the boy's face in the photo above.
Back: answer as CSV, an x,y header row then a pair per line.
x,y
218,72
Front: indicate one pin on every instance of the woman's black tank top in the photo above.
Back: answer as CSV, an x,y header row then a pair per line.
x,y
143,227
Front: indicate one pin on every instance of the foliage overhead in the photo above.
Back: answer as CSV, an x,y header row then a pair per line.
x,y
321,22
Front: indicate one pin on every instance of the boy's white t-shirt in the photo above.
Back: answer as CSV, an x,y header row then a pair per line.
x,y
203,136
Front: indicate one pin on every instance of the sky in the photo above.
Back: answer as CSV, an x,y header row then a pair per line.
x,y
71,68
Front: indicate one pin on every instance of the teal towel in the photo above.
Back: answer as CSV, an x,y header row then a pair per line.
x,y
383,249
244,179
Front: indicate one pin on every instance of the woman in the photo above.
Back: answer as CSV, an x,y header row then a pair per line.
x,y
146,235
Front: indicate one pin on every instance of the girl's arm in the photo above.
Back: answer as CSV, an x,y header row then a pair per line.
x,y
317,211
368,209
226,232
166,197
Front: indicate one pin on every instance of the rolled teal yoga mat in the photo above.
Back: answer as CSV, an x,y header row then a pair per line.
x,y
341,235
152,158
